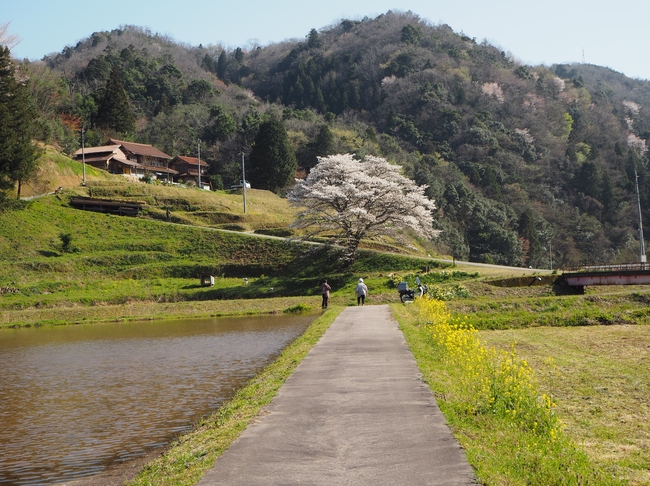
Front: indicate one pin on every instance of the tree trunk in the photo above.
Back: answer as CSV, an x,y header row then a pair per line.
x,y
350,252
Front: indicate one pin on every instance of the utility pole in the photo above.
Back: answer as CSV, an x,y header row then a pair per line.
x,y
638,203
83,156
243,175
199,151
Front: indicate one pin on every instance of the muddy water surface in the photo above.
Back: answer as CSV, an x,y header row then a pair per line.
x,y
76,399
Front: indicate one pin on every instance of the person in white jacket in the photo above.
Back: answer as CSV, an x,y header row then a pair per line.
x,y
361,292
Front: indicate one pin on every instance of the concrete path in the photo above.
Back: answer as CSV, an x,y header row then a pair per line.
x,y
353,413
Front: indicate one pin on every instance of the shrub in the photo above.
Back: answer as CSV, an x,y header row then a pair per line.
x,y
449,292
66,243
297,309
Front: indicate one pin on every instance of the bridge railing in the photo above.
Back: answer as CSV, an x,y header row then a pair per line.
x,y
621,267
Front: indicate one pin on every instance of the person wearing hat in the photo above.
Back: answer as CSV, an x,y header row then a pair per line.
x,y
361,292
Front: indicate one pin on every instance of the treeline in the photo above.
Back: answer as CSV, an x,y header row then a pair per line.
x,y
526,164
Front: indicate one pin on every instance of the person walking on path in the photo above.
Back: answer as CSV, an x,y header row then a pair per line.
x,y
361,291
325,291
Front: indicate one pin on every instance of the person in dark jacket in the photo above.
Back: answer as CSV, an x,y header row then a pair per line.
x,y
325,291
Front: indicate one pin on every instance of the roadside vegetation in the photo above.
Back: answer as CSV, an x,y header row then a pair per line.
x,y
599,378
558,403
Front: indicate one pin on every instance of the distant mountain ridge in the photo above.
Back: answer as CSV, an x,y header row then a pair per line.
x,y
526,163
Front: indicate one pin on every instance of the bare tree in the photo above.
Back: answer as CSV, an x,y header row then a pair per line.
x,y
7,39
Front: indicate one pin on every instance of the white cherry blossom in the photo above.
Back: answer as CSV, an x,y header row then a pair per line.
x,y
353,199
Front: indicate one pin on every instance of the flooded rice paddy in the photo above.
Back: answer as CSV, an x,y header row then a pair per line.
x,y
76,399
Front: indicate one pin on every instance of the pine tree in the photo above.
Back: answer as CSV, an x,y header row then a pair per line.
x,y
114,109
18,153
272,160
313,40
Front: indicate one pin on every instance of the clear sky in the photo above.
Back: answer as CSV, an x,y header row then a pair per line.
x,y
614,34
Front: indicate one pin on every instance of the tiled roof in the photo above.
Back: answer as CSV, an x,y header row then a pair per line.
x,y
102,158
130,163
191,160
107,149
156,168
140,149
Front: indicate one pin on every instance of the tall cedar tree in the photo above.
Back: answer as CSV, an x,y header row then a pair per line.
x,y
18,153
114,109
272,162
222,66
321,146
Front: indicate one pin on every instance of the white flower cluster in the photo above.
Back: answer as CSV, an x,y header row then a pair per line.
x,y
637,144
559,84
525,133
632,107
388,80
361,198
493,89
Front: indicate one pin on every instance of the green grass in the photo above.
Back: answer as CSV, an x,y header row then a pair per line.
x,y
265,211
112,260
503,308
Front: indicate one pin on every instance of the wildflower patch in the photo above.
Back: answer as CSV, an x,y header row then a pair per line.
x,y
491,397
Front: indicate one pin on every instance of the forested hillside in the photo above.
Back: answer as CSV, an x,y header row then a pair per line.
x,y
525,163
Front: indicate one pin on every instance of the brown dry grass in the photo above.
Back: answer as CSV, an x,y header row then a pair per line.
x,y
151,311
600,378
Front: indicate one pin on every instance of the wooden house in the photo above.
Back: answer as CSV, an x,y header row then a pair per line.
x,y
128,158
151,160
109,158
188,170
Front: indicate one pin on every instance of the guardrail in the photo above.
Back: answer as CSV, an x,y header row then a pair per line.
x,y
621,267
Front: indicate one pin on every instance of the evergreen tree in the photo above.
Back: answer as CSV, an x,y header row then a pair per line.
x,y
411,35
222,65
608,198
321,146
209,64
272,162
528,231
114,109
18,153
313,41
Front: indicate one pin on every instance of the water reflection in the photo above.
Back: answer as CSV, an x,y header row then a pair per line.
x,y
77,398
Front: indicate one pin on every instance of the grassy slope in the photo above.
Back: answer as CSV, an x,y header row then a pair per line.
x,y
56,170
116,261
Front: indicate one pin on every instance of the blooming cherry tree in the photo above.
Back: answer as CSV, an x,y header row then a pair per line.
x,y
354,199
